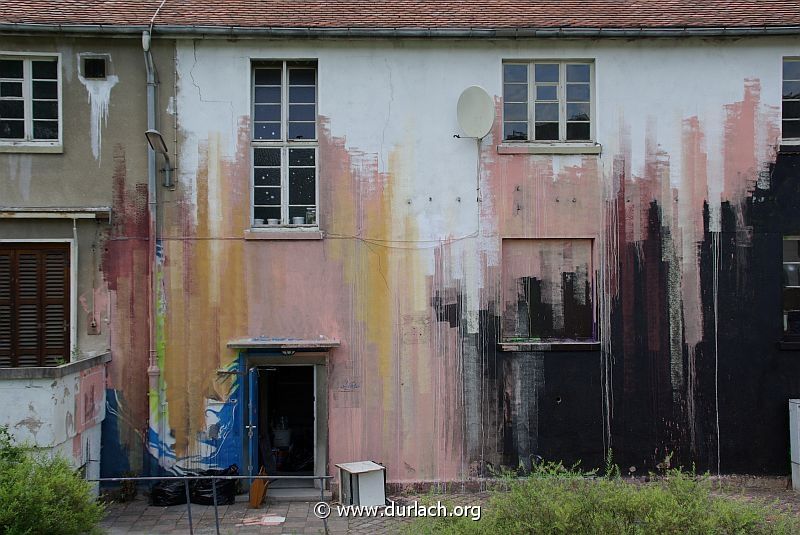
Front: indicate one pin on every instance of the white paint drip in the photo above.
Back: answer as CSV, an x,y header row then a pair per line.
x,y
99,95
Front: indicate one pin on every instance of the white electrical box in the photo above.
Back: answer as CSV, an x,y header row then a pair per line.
x,y
794,441
362,483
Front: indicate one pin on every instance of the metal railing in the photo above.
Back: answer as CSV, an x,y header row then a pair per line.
x,y
213,479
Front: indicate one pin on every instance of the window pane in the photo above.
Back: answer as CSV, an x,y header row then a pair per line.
x,y
267,176
302,76
45,109
578,111
578,131
12,109
45,129
515,112
12,129
267,157
578,92
791,129
268,76
547,131
577,73
546,112
299,157
302,94
267,196
302,131
791,70
515,93
266,213
267,131
45,90
271,95
10,68
11,89
791,250
267,112
791,89
515,131
515,73
45,70
545,72
308,213
546,92
791,298
791,109
302,112
302,185
791,274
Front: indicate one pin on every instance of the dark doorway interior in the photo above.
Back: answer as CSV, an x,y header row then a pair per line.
x,y
286,408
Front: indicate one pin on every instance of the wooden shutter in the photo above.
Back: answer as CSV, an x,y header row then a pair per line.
x,y
34,304
5,307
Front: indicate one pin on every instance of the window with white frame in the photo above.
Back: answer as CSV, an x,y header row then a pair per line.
x,y
791,286
285,146
548,101
791,98
30,93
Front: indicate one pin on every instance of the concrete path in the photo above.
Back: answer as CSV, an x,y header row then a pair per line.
x,y
138,517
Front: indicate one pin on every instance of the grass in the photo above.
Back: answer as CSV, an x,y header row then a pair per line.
x,y
559,500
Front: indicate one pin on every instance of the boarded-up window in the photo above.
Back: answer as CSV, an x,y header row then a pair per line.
x,y
34,304
547,289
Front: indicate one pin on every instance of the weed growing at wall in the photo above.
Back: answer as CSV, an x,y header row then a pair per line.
x,y
559,500
42,494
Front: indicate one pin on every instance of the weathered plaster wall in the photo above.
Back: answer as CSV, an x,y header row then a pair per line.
x,y
104,163
58,414
409,276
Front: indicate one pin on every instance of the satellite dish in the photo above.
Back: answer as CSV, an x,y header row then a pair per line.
x,y
475,112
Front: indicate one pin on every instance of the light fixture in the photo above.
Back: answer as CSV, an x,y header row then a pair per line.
x,y
156,141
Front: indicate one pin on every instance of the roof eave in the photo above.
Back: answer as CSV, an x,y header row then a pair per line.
x,y
183,31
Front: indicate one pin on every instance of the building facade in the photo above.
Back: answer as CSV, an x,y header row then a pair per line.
x,y
335,272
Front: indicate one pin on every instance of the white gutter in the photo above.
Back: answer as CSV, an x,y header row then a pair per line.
x,y
174,31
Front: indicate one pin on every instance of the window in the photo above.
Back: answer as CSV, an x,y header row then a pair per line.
x,y
547,289
791,286
791,98
547,101
285,147
34,304
94,68
29,99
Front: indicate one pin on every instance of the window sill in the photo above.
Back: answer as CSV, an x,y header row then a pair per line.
x,y
555,345
46,147
549,148
283,233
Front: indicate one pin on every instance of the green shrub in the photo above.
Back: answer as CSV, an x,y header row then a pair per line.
x,y
42,493
557,500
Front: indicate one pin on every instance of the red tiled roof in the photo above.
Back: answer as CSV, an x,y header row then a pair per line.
x,y
418,14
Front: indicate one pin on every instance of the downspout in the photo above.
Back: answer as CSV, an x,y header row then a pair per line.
x,y
153,371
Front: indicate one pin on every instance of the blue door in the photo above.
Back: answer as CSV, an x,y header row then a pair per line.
x,y
252,420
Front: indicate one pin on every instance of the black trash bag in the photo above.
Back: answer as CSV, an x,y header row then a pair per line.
x,y
168,492
203,492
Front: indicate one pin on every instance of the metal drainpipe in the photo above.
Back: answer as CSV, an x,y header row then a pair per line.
x,y
153,371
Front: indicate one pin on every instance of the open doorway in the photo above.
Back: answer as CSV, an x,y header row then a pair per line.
x,y
286,411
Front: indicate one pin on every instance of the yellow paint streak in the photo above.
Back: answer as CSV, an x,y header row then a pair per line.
x,y
206,303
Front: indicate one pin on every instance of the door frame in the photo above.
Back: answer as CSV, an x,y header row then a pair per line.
x,y
318,361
